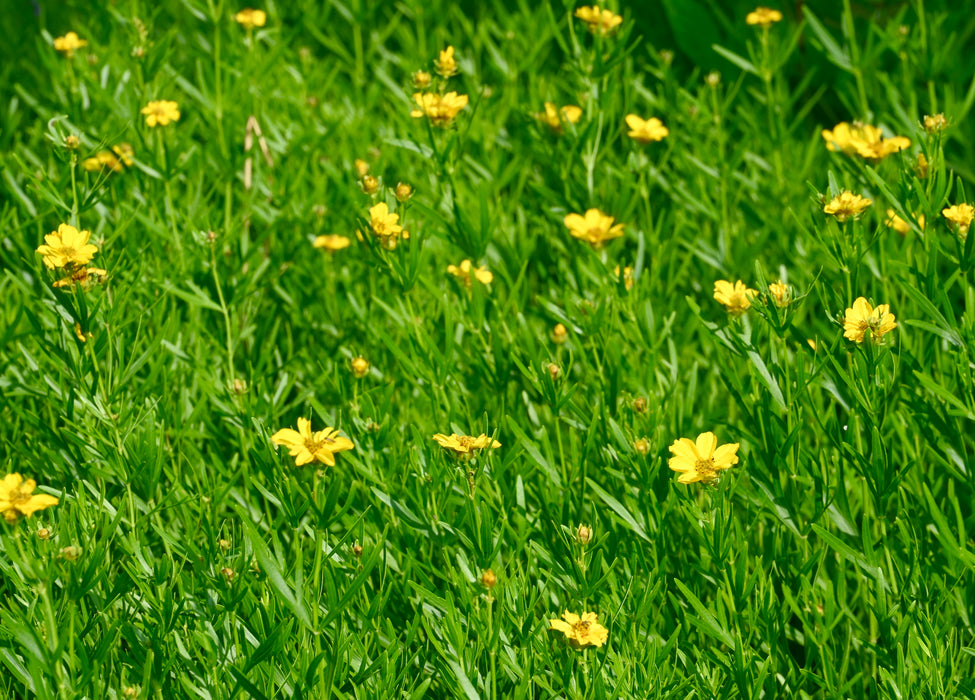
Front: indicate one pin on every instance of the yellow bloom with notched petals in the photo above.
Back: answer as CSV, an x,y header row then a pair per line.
x,y
701,459
864,140
384,224
248,18
69,43
465,447
115,160
933,123
763,17
555,118
862,319
780,293
598,21
439,109
17,498
466,272
736,298
67,247
445,64
595,227
580,631
961,215
646,130
161,112
847,205
306,446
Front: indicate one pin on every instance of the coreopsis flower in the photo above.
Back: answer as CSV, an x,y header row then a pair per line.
x,y
248,18
360,367
863,140
555,118
306,446
779,293
422,79
332,242
863,318
580,632
595,227
701,459
736,298
67,247
466,272
465,447
763,17
383,224
17,498
439,109
602,22
445,64
646,130
960,215
933,123
115,160
85,276
161,112
69,43
846,205
901,226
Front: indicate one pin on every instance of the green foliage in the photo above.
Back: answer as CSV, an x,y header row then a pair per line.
x,y
188,557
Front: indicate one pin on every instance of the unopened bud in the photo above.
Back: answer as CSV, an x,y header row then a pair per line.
x,y
489,579
584,534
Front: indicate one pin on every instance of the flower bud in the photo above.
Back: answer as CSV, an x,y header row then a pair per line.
x,y
559,334
584,534
403,192
360,366
370,184
489,579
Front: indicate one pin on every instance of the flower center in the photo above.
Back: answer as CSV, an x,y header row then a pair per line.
x,y
19,495
581,628
705,467
314,445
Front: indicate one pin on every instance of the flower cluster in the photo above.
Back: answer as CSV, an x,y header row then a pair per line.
x,y
440,108
115,160
555,117
466,272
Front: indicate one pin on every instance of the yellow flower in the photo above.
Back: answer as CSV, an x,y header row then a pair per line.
x,y
465,447
864,140
642,445
646,130
580,632
68,43
161,112
935,123
598,21
249,18
736,298
403,192
763,16
439,109
554,118
446,65
361,167
701,460
16,498
465,271
863,318
780,293
115,160
383,224
332,242
421,79
846,205
901,226
922,165
370,184
85,276
960,215
595,227
306,446
67,247
360,366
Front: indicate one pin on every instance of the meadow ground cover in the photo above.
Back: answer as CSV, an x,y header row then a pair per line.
x,y
487,350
